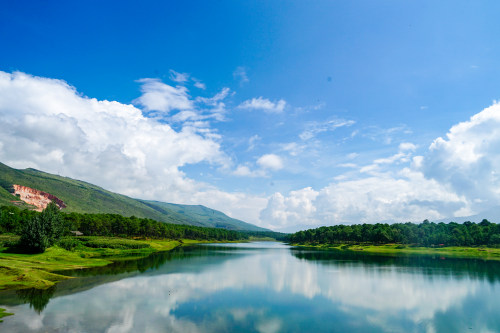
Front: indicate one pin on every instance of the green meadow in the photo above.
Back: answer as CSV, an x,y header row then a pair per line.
x,y
484,253
19,270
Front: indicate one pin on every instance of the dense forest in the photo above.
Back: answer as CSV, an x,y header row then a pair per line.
x,y
421,234
12,220
15,220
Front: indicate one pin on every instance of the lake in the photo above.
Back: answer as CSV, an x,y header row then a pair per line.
x,y
266,287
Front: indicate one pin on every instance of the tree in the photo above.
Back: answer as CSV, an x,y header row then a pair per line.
x,y
33,236
42,231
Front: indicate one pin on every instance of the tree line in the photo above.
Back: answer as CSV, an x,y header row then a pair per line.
x,y
41,230
419,234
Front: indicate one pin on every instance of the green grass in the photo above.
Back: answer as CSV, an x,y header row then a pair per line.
x,y
484,253
18,271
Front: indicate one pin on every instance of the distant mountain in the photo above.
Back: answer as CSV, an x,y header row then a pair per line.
x,y
203,216
82,197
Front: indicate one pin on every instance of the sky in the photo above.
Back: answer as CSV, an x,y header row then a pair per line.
x,y
284,114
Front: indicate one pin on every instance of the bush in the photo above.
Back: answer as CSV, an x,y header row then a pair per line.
x,y
112,243
69,243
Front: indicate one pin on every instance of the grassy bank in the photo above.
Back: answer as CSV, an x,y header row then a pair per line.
x,y
18,271
484,253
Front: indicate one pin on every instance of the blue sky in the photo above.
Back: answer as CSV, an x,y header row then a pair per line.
x,y
280,113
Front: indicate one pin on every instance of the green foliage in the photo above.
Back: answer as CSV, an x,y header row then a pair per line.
x,y
42,231
69,243
11,218
112,243
427,234
33,236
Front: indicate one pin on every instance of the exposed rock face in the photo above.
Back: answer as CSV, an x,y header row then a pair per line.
x,y
37,198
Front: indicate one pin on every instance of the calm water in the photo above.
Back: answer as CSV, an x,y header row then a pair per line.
x,y
266,287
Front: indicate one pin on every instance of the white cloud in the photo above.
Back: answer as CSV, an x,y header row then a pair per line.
x,y
352,156
178,77
158,96
457,176
404,155
46,124
199,84
263,104
217,108
244,171
220,96
240,74
293,148
468,158
314,128
408,196
270,161
253,141
296,208
385,135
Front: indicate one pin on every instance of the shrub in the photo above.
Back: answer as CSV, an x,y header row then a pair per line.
x,y
69,243
112,243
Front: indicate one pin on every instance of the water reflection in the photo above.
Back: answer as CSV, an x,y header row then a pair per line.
x,y
420,264
269,287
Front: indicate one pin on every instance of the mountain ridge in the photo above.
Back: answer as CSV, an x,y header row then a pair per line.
x,y
83,197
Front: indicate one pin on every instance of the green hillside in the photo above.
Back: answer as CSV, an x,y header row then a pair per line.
x,y
82,197
204,216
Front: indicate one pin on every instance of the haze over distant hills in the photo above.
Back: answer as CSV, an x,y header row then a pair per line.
x,y
82,197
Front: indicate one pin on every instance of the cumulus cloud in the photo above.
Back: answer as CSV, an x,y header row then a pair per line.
x,y
456,176
293,209
158,96
270,161
408,196
46,124
264,104
266,163
468,158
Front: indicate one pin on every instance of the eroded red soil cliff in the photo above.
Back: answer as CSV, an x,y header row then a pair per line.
x,y
36,198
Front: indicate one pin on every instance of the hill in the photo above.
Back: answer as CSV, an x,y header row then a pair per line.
x,y
83,197
204,216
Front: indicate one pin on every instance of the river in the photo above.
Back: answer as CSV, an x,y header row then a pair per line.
x,y
266,287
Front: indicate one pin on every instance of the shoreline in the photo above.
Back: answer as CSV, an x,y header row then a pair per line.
x,y
483,253
22,271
